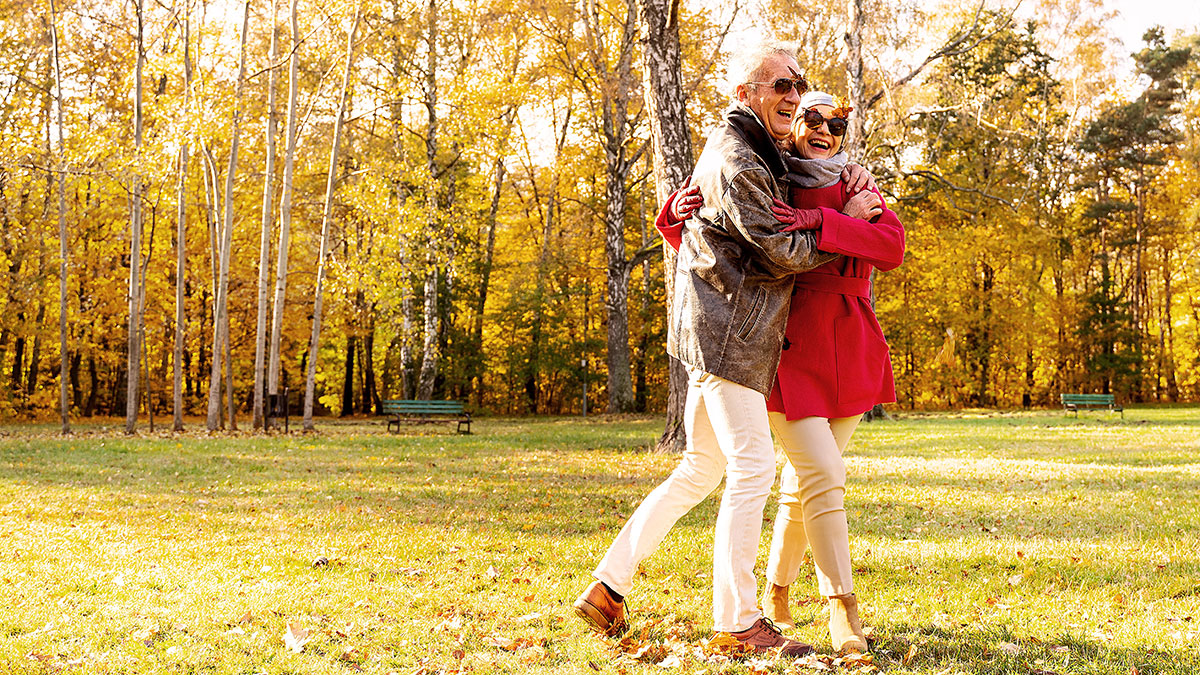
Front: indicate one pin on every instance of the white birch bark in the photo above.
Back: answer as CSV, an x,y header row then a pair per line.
x,y
221,316
671,143
181,225
135,245
285,210
326,217
268,213
429,348
63,383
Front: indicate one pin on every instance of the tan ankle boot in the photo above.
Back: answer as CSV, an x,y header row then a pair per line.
x,y
845,629
775,606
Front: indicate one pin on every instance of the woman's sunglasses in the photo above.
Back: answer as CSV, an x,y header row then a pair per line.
x,y
784,84
813,120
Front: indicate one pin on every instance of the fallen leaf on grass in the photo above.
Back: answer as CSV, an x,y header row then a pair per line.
x,y
236,630
912,654
38,656
593,666
722,644
533,616
507,644
491,572
1009,648
296,637
672,661
245,618
1061,649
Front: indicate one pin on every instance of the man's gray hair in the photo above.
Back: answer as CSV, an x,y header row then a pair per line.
x,y
747,66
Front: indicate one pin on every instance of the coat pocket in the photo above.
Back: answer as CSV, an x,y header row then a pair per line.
x,y
860,355
756,308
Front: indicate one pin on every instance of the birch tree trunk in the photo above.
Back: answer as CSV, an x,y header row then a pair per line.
x,y
181,226
285,209
671,144
855,141
63,383
221,316
430,345
132,371
264,247
330,183
615,89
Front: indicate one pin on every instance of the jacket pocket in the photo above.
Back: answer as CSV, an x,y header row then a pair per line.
x,y
756,308
860,355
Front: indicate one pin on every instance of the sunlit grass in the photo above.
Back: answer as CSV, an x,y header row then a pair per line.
x,y
985,543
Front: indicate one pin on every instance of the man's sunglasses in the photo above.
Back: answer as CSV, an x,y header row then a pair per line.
x,y
813,120
784,84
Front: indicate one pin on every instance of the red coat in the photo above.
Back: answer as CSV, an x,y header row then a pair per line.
x,y
835,361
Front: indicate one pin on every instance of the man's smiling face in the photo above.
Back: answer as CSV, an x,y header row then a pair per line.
x,y
774,110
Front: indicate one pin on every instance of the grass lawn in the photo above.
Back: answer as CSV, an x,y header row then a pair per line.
x,y
1024,543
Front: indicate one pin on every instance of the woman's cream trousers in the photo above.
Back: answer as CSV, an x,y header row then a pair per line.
x,y
811,511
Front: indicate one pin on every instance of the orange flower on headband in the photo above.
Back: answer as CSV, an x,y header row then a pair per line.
x,y
843,108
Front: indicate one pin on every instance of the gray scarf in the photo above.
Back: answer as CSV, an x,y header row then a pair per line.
x,y
814,173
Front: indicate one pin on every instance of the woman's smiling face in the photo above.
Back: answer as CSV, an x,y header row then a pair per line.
x,y
815,143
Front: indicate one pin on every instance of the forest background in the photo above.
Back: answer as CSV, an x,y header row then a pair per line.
x,y
454,199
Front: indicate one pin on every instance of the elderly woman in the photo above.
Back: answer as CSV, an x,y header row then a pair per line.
x,y
834,365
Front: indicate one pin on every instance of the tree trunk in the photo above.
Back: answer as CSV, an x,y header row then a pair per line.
x,y
348,376
181,232
63,384
135,245
671,143
485,274
620,382
264,247
221,316
855,141
429,350
285,210
326,217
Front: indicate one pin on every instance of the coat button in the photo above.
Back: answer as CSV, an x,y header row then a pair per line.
x,y
786,344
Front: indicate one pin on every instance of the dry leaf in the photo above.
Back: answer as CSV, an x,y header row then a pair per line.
x,y
1009,648
912,654
507,644
246,618
491,572
296,637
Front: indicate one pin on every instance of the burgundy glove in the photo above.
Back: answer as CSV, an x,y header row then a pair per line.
x,y
796,219
687,201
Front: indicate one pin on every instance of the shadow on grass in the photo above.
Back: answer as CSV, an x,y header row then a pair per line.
x,y
1001,652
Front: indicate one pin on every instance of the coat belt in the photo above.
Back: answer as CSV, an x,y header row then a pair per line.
x,y
835,283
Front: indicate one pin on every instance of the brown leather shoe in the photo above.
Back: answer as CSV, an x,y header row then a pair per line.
x,y
601,610
764,638
775,606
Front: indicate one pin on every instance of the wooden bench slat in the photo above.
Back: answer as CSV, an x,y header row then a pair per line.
x,y
1073,402
425,412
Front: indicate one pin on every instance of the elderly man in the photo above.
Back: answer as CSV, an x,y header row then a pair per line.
x,y
732,289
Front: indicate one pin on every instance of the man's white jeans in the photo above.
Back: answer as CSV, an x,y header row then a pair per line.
x,y
812,511
727,433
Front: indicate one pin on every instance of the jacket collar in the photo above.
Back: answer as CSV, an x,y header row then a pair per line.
x,y
746,124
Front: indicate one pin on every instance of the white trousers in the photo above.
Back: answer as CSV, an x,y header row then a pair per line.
x,y
812,488
727,433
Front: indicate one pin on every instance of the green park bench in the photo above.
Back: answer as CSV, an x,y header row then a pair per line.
x,y
1073,402
401,411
